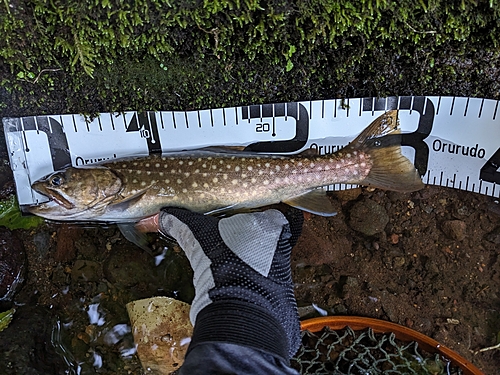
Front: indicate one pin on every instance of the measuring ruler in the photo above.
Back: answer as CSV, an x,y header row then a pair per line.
x,y
453,141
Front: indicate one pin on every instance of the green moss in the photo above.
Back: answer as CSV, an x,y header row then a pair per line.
x,y
11,217
206,48
6,318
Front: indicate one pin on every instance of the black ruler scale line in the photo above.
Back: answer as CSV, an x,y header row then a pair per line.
x,y
300,116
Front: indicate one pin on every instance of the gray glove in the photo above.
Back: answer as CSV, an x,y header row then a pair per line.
x,y
242,277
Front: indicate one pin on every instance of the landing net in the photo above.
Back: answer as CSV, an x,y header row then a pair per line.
x,y
365,353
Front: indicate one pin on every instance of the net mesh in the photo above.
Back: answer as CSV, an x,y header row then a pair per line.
x,y
367,353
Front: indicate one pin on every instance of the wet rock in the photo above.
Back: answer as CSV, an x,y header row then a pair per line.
x,y
65,248
41,241
494,236
454,229
86,270
348,195
368,217
12,263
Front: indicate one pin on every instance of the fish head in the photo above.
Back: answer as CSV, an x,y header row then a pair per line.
x,y
76,193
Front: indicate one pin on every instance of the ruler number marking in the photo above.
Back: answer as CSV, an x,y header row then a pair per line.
x,y
489,171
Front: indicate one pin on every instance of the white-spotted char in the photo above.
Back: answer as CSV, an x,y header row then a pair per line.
x,y
128,190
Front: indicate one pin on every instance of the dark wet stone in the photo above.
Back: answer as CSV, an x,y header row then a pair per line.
x,y
12,263
454,229
26,345
494,236
368,217
86,270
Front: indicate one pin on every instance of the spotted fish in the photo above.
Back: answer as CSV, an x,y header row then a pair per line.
x,y
128,190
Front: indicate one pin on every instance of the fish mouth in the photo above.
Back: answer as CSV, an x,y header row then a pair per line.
x,y
53,195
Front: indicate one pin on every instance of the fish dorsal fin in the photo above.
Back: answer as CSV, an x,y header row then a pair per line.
x,y
309,152
314,201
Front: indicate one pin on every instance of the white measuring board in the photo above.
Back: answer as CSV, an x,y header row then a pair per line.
x,y
453,141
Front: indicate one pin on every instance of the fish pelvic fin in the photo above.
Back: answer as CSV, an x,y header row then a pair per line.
x,y
390,170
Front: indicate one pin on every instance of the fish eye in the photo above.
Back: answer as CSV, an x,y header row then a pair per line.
x,y
56,180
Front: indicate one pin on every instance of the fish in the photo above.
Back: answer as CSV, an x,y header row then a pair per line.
x,y
210,182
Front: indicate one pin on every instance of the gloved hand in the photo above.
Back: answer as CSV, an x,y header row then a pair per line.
x,y
242,276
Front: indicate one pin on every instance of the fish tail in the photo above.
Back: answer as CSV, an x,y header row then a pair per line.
x,y
390,170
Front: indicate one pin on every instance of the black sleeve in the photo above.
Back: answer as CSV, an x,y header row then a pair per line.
x,y
226,358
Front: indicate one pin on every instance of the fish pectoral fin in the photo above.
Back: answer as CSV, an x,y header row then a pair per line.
x,y
122,205
314,201
131,233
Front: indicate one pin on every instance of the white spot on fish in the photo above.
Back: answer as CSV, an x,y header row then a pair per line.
x,y
224,176
228,166
181,162
348,155
277,180
337,166
163,158
287,166
327,168
209,158
204,174
234,182
199,159
196,171
204,165
267,165
221,161
266,182
195,185
179,181
244,175
165,166
184,190
214,167
172,171
261,173
138,171
202,195
157,165
190,162
190,198
161,174
245,185
124,165
187,174
215,180
278,168
143,183
249,167
243,159
311,165
167,181
147,165
148,172
130,171
205,185
254,180
237,168
363,165
355,153
134,181
299,164
135,164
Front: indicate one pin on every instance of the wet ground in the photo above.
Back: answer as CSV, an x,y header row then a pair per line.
x,y
427,260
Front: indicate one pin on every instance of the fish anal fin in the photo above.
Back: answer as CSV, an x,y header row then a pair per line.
x,y
314,201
